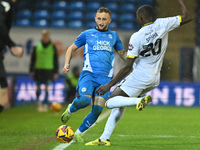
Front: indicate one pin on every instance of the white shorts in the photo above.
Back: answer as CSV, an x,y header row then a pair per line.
x,y
137,86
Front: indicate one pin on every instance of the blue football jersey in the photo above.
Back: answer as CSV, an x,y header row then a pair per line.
x,y
98,50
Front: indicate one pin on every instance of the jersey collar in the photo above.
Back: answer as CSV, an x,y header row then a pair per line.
x,y
147,24
101,30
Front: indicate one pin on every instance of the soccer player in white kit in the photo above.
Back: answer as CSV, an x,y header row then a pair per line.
x,y
145,56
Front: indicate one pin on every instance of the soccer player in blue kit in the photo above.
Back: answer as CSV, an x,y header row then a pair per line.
x,y
97,68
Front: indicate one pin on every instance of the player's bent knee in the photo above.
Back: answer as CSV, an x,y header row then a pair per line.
x,y
99,101
82,101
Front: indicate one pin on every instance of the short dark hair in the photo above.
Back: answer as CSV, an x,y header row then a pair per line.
x,y
146,11
104,9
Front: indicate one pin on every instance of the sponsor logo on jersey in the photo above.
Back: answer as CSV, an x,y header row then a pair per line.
x,y
130,47
94,35
102,45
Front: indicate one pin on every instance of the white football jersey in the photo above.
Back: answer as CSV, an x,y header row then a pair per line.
x,y
149,45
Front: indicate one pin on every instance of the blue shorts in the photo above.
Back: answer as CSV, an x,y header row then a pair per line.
x,y
88,84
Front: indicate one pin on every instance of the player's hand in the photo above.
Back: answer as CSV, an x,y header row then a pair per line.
x,y
17,51
103,89
66,69
55,76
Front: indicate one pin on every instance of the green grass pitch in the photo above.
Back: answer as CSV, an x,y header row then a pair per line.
x,y
154,128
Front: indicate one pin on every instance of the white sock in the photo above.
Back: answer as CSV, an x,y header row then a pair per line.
x,y
115,115
78,132
121,101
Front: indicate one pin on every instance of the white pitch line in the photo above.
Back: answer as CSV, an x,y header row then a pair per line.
x,y
62,146
162,136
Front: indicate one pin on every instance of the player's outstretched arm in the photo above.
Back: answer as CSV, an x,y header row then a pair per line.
x,y
128,66
68,56
186,16
4,31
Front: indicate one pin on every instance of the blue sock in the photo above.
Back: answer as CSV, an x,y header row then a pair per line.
x,y
46,97
91,118
80,102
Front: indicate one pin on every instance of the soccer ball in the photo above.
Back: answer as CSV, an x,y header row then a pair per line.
x,y
65,134
56,107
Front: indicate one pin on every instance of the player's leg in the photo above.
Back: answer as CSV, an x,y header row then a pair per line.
x,y
3,98
97,108
91,118
45,101
38,92
121,101
3,87
129,95
99,103
115,116
46,94
117,113
79,102
85,90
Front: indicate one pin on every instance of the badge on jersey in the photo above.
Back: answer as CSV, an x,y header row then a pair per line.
x,y
84,89
110,36
130,47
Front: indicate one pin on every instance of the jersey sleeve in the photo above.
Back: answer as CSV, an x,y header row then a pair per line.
x,y
133,49
118,45
171,23
4,36
81,39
